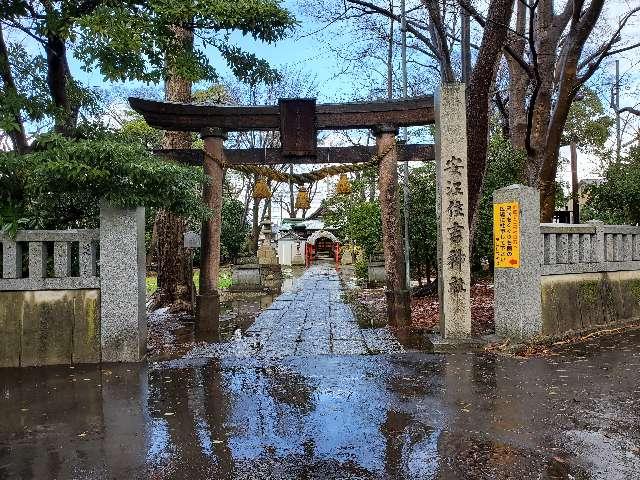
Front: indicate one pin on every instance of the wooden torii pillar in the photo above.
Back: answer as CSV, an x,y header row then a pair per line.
x,y
396,292
208,299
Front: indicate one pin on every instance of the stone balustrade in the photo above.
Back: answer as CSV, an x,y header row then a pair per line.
x,y
590,247
564,278
74,296
55,260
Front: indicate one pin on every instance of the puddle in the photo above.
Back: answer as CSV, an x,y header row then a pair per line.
x,y
172,335
471,416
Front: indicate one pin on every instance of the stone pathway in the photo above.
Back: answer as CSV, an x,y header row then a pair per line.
x,y
311,319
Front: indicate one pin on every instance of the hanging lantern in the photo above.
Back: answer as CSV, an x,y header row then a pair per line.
x,y
344,186
261,189
303,202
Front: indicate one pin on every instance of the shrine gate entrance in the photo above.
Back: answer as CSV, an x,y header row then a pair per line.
x,y
298,121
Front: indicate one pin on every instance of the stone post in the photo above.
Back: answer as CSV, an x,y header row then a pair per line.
x,y
62,259
598,245
37,260
398,305
11,259
208,300
454,279
122,285
517,288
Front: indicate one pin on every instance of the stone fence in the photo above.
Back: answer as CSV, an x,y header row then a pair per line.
x,y
74,296
590,247
33,244
553,278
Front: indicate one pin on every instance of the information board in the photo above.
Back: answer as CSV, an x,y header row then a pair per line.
x,y
506,235
192,240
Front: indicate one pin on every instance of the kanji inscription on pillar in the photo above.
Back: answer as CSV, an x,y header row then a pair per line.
x,y
456,213
453,230
506,235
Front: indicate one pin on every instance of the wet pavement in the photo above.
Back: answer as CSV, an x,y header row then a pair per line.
x,y
310,319
409,415
243,410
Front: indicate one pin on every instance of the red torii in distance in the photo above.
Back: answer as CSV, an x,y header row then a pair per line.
x,y
298,121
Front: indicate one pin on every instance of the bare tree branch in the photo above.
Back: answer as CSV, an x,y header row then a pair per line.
x,y
593,63
631,110
382,11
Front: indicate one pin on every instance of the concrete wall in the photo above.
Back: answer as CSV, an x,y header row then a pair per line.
x,y
583,301
49,327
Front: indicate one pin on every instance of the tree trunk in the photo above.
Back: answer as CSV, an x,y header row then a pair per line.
x,y
390,56
175,279
17,134
477,99
153,247
558,64
255,224
247,198
58,80
518,82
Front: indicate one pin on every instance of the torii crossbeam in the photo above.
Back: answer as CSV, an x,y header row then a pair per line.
x,y
273,156
330,116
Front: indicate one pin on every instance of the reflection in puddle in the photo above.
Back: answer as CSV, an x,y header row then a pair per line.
x,y
341,417
172,336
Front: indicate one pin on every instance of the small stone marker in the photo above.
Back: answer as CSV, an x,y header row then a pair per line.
x,y
454,279
517,285
192,240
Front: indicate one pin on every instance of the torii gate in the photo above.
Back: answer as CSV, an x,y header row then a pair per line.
x,y
298,121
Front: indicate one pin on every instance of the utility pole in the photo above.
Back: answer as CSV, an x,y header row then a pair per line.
x,y
574,182
617,107
405,184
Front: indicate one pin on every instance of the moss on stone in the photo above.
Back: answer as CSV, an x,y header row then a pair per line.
x,y
634,287
589,292
91,313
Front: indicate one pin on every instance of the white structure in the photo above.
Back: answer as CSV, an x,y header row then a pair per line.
x,y
322,234
288,247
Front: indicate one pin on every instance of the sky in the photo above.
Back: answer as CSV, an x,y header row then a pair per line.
x,y
308,50
301,51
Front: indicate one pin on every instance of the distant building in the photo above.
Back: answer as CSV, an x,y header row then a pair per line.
x,y
310,230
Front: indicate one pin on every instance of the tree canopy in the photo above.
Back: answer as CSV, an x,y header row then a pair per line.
x,y
124,40
61,183
616,200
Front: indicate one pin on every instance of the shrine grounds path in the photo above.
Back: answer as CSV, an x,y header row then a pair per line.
x,y
311,319
302,396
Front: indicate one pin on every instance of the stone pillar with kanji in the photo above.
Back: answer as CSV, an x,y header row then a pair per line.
x,y
454,279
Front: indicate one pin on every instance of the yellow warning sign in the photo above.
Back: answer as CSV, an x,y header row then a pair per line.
x,y
506,235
